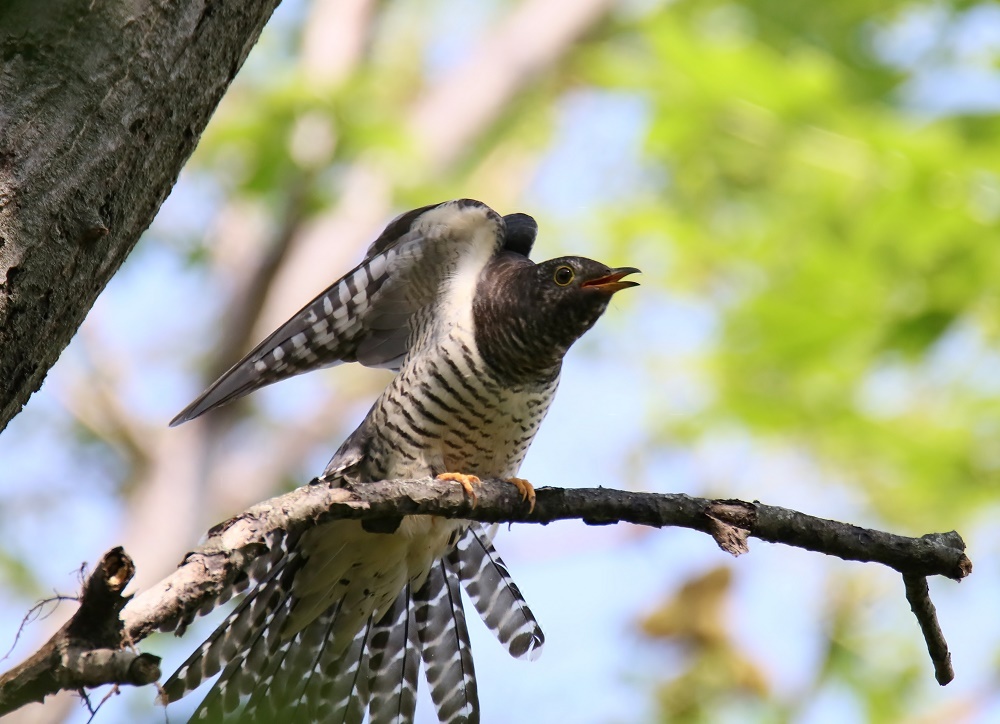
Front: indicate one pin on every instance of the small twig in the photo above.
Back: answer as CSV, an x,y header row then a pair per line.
x,y
919,597
90,707
35,614
94,709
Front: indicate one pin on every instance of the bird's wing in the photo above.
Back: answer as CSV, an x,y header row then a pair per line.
x,y
423,259
521,231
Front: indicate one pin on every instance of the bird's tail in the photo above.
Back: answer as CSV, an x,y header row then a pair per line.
x,y
495,595
269,677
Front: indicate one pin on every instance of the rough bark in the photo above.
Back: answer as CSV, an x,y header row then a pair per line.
x,y
100,106
90,650
210,574
219,566
213,570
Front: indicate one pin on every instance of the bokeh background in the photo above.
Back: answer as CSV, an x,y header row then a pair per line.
x,y
812,192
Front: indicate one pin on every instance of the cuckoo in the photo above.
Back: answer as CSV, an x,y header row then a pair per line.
x,y
340,617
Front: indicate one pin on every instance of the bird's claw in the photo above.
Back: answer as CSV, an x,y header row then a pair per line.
x,y
527,491
466,481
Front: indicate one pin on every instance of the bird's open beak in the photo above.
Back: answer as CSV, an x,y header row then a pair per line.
x,y
612,282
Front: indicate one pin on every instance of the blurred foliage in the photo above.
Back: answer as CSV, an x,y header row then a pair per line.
x,y
719,681
843,237
847,240
695,618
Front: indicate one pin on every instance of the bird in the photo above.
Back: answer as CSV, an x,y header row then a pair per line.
x,y
339,617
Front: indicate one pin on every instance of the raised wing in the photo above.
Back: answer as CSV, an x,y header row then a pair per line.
x,y
370,315
520,231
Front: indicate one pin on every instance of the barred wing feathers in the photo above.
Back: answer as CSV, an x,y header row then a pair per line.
x,y
373,313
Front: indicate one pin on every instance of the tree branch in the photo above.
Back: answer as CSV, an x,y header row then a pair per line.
x,y
215,569
89,650
211,573
919,597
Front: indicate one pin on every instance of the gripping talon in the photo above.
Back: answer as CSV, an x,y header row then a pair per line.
x,y
466,481
527,491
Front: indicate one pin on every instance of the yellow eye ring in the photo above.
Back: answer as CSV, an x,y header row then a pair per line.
x,y
563,276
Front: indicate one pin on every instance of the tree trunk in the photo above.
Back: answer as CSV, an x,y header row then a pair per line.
x,y
101,104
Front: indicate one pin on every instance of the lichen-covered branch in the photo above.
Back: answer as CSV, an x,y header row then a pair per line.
x,y
214,568
219,566
729,522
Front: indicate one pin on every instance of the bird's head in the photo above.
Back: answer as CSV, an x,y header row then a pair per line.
x,y
528,315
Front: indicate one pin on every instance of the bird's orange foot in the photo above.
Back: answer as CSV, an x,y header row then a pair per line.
x,y
466,481
526,489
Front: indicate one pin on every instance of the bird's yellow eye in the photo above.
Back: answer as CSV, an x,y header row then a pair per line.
x,y
563,276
